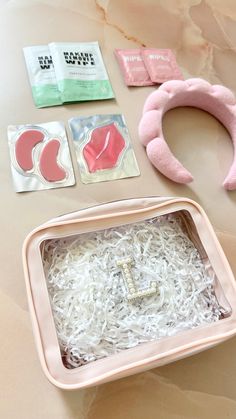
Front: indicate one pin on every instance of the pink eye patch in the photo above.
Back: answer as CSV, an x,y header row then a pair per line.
x,y
49,167
24,147
40,156
104,148
215,99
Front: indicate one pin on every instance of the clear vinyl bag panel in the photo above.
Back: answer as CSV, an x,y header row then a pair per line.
x,y
118,288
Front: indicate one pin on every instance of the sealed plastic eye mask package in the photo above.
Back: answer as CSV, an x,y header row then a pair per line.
x,y
40,157
42,76
103,148
80,71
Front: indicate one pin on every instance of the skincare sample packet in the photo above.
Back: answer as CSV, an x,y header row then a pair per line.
x,y
42,76
80,71
132,67
40,156
161,65
103,148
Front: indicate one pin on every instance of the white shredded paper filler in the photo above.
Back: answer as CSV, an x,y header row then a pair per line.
x,y
88,292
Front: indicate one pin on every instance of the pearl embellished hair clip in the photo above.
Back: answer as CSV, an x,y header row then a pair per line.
x,y
133,293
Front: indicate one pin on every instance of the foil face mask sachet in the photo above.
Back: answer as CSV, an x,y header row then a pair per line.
x,y
161,65
80,71
42,76
132,67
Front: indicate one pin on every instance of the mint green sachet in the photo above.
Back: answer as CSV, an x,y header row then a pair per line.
x,y
42,76
80,71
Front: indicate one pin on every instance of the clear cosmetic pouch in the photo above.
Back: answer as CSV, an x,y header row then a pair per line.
x,y
126,286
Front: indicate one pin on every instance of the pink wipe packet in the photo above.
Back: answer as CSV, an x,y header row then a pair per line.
x,y
132,67
161,65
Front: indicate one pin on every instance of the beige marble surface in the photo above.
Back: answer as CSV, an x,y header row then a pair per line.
x,y
203,36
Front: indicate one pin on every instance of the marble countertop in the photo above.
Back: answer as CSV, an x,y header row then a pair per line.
x,y
202,33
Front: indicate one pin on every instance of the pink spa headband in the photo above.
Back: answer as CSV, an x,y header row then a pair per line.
x,y
215,99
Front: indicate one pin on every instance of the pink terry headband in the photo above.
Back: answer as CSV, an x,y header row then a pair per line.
x,y
215,99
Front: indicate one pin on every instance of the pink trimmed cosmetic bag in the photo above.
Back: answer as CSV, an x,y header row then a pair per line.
x,y
147,311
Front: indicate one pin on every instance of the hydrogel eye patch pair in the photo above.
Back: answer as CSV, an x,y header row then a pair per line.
x,y
40,157
67,72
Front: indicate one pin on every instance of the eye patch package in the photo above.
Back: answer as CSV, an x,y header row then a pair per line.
x,y
103,148
40,156
161,65
42,76
80,71
133,67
